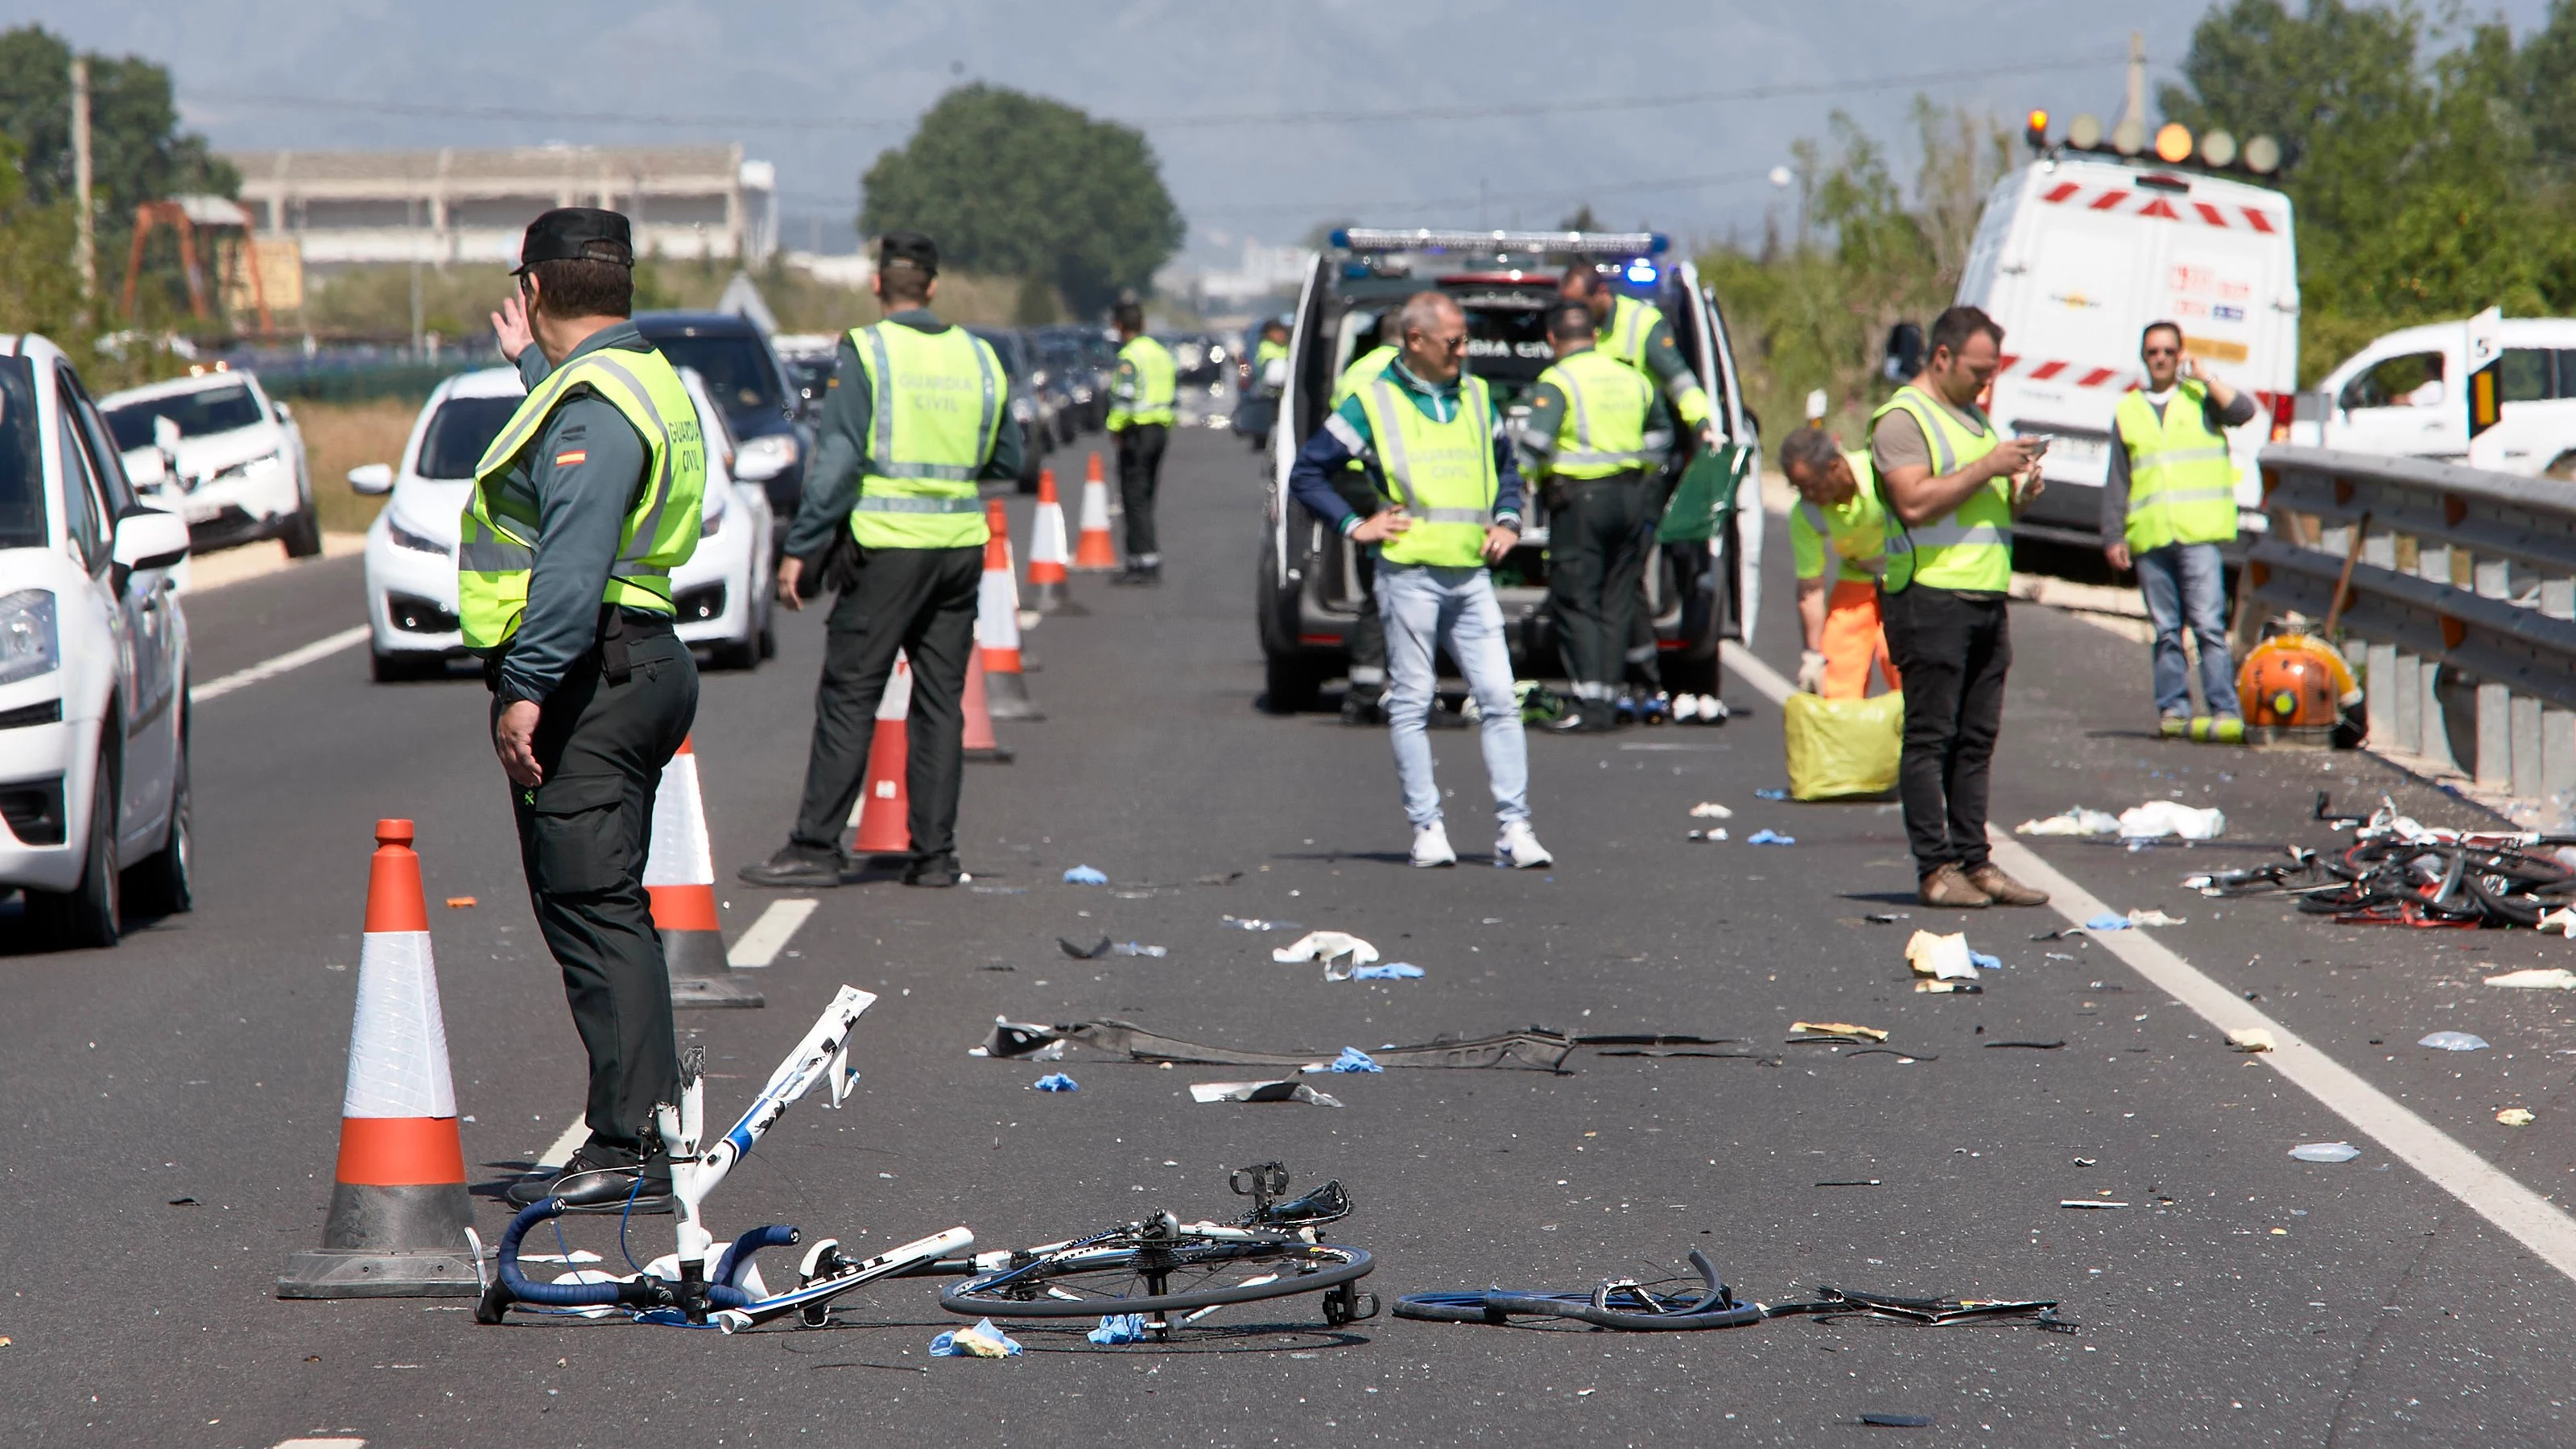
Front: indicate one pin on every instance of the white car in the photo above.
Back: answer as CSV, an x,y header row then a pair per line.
x,y
214,448
722,592
2400,395
93,666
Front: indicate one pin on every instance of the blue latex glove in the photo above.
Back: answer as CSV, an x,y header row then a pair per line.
x,y
1386,971
1056,1082
1084,875
1353,1059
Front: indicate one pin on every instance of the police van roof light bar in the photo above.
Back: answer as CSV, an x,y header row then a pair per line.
x,y
1578,243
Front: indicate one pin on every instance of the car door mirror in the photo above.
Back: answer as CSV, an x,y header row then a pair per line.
x,y
150,539
1905,352
165,434
371,478
283,413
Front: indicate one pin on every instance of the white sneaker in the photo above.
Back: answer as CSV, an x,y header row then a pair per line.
x,y
1431,846
1519,848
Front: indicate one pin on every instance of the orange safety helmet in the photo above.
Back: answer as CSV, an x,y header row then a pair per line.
x,y
2297,680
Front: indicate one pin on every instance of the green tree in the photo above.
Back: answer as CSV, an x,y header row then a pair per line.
x,y
1017,185
137,152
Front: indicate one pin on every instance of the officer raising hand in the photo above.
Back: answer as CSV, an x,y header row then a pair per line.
x,y
581,507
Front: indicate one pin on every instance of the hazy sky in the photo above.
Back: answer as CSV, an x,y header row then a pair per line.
x,y
1242,103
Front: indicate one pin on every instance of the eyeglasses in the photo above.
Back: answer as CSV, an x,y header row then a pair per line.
x,y
2160,352
1445,344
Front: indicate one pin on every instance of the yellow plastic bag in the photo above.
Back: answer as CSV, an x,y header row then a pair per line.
x,y
1843,746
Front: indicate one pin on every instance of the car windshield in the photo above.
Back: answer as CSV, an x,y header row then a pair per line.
x,y
459,432
22,466
198,414
1006,345
737,374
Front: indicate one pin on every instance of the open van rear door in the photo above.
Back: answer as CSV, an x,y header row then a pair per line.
x,y
1739,553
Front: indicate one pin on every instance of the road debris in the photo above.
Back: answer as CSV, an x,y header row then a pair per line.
x,y
1135,948
1338,950
2074,820
1281,1091
2158,819
2252,1039
1353,1059
1835,1031
1928,986
1253,923
1887,918
1768,836
1083,953
1390,971
981,1341
1118,1328
2048,1045
2554,978
2325,1152
1771,794
1890,1419
1085,875
2516,1117
1713,837
1054,1082
1536,1047
1711,810
2089,1202
2453,1041
2153,916
1946,958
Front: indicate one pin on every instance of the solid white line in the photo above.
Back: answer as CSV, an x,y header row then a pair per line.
x,y
571,1140
321,1444
2493,1194
769,935
322,648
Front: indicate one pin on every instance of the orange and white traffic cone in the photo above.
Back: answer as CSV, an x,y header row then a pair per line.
x,y
400,1219
1047,553
997,626
680,876
1093,552
884,812
981,744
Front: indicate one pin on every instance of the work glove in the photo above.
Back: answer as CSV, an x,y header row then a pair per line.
x,y
1811,671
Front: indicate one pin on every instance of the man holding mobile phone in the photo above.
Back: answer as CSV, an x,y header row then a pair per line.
x,y
2168,503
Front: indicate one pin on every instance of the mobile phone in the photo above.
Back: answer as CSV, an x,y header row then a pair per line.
x,y
2039,443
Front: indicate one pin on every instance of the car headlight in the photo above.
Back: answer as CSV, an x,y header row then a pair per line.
x,y
242,468
401,537
30,644
761,459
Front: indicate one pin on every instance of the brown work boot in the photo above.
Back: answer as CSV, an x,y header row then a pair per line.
x,y
1948,886
2002,889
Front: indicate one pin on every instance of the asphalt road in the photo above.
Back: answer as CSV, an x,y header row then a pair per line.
x,y
2243,1297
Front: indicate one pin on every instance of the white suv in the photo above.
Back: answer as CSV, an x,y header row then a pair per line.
x,y
213,448
93,665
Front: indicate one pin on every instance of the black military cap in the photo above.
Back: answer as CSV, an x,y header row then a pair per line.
x,y
910,247
577,234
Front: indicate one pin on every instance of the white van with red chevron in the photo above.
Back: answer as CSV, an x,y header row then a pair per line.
x,y
2075,254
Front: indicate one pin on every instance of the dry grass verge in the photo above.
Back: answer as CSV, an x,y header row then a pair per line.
x,y
339,437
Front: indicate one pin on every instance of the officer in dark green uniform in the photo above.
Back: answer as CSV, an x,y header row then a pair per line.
x,y
581,508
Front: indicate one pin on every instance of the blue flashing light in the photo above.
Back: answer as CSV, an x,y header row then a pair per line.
x,y
1642,272
1341,239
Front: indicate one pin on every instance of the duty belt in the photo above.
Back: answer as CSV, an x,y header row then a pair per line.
x,y
619,628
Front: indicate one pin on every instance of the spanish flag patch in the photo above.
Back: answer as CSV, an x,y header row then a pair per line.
x,y
570,456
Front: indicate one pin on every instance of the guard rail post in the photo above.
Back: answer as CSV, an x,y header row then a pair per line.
x,y
2433,725
2500,753
2557,723
2390,689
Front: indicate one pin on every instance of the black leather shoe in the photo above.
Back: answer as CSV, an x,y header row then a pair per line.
x,y
1442,717
1361,713
590,1185
938,872
797,867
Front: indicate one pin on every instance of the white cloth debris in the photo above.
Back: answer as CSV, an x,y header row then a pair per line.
x,y
1711,810
2250,1039
2555,978
1338,950
2158,818
1944,958
2074,820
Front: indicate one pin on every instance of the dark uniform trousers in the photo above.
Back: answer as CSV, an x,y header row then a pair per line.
x,y
1954,709
921,601
583,835
1596,543
1645,660
1140,473
1368,631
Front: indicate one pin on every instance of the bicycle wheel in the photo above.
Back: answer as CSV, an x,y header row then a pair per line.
x,y
1122,1275
1476,1306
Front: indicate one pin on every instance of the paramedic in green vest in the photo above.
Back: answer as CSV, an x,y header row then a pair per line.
x,y
2168,502
1838,550
917,413
1265,375
1363,703
1448,503
1140,418
1952,485
1637,333
581,507
1598,435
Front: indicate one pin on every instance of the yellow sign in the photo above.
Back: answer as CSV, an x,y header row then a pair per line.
x,y
2215,349
279,262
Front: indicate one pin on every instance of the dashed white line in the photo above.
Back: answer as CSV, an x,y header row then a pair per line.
x,y
769,935
322,648
321,1444
2490,1192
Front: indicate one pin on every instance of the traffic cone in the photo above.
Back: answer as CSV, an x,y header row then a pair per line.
x,y
680,876
884,812
399,1213
1093,552
1047,590
981,744
997,626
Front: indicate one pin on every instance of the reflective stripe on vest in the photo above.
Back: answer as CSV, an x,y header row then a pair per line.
x,y
496,549
937,399
2182,481
1441,472
1157,385
1632,329
1603,431
1970,547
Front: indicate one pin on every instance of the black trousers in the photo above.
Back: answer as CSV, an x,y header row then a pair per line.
x,y
1140,472
1368,632
583,834
1953,650
921,601
1596,553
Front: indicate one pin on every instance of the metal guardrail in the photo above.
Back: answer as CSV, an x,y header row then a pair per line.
x,y
2462,584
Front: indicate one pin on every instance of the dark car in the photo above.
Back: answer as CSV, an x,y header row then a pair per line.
x,y
761,401
1028,412
1069,370
1308,594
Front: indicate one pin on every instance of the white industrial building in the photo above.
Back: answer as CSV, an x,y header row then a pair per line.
x,y
456,205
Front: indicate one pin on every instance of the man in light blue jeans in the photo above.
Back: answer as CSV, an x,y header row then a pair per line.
x,y
1432,444
2185,589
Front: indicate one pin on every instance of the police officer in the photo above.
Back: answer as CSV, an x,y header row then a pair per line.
x,y
1597,430
580,510
1953,485
1140,417
916,413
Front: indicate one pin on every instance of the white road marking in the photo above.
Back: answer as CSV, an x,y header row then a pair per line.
x,y
2532,1220
561,1153
769,935
321,1444
322,648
